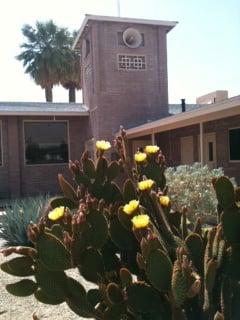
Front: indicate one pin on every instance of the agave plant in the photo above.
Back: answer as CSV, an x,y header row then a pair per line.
x,y
16,217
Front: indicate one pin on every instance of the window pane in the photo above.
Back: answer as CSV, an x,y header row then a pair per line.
x,y
234,144
0,144
46,142
210,151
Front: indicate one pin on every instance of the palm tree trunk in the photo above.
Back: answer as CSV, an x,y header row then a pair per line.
x,y
48,94
72,94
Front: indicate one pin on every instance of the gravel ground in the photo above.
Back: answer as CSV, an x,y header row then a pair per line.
x,y
15,308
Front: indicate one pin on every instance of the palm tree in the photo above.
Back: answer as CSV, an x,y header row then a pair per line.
x,y
46,48
70,77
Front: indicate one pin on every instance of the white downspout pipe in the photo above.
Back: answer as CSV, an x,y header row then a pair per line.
x,y
153,138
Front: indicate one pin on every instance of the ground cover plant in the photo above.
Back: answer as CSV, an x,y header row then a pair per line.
x,y
16,216
145,262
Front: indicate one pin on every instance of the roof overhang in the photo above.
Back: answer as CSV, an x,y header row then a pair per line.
x,y
168,24
15,108
43,113
224,109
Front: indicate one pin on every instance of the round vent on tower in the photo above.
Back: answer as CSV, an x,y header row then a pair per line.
x,y
132,38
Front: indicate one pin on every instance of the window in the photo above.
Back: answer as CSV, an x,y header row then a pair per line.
x,y
1,161
46,142
131,62
210,151
234,144
186,144
86,48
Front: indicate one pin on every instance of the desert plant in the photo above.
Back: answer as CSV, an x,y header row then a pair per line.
x,y
16,216
191,186
144,260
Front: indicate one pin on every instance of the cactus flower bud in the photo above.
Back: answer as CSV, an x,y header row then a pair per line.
x,y
67,240
194,289
72,167
151,236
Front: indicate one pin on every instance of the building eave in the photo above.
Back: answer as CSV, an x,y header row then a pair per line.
x,y
226,108
43,113
168,24
20,108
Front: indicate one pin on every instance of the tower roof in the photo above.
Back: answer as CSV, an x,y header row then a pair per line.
x,y
168,24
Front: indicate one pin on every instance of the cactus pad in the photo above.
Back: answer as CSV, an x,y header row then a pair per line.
x,y
91,265
52,252
225,192
20,267
99,229
137,301
43,297
159,270
129,191
114,293
62,202
120,236
67,189
195,248
22,288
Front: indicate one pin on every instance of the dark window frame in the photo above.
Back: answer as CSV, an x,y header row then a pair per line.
x,y
50,163
1,144
229,145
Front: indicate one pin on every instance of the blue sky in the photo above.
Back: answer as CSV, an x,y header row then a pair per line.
x,y
203,50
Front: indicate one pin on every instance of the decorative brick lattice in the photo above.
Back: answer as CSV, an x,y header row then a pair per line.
x,y
131,62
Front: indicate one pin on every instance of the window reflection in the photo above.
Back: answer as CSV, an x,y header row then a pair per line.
x,y
46,142
234,144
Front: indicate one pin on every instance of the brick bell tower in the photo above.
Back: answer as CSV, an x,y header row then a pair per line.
x,y
124,71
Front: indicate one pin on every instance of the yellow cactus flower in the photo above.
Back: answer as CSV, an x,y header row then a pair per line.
x,y
56,213
164,201
131,207
145,184
140,221
103,145
151,149
140,157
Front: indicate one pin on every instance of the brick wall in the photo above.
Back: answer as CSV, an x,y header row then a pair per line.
x,y
4,180
18,179
124,97
170,144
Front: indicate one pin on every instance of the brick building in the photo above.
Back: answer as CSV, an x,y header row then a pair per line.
x,y
209,134
124,71
124,82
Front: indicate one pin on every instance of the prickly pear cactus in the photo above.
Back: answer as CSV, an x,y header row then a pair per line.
x,y
145,260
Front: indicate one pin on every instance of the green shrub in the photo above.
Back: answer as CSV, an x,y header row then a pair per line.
x,y
191,186
16,217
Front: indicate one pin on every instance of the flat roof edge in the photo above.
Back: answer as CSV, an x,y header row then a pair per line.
x,y
187,118
89,17
42,113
